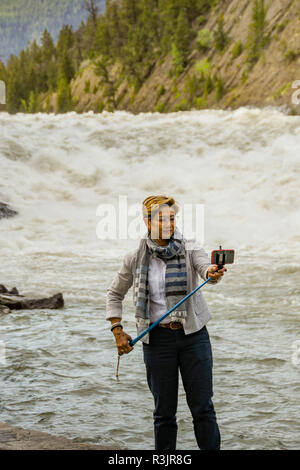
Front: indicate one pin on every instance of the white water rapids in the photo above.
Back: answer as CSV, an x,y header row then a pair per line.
x,y
56,170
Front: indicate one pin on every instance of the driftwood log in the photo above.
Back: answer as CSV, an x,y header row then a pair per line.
x,y
12,300
6,211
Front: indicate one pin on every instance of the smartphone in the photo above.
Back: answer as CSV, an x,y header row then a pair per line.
x,y
221,257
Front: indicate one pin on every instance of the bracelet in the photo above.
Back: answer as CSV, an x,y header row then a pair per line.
x,y
114,325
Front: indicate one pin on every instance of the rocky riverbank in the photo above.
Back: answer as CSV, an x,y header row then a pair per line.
x,y
15,438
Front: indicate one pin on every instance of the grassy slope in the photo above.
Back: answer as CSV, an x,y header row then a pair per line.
x,y
268,82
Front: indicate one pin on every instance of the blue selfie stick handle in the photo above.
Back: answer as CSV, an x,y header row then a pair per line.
x,y
143,333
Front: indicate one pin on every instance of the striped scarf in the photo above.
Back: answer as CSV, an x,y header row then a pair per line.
x,y
176,277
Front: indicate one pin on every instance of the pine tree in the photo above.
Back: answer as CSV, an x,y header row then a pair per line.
x,y
66,69
32,106
220,37
177,60
66,39
52,75
169,12
182,37
256,36
103,36
150,24
130,12
116,30
47,46
13,98
34,52
92,8
203,6
64,97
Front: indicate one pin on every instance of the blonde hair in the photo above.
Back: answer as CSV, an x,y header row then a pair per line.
x,y
152,204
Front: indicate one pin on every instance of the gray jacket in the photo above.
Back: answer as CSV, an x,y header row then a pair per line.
x,y
197,263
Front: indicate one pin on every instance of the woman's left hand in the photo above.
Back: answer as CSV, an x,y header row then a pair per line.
x,y
214,273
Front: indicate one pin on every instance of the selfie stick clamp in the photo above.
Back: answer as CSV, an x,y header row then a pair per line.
x,y
220,259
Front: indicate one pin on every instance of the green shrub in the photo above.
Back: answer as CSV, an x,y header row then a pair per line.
x,y
32,105
203,68
182,106
64,101
290,55
99,106
201,19
160,92
182,36
175,91
282,26
193,86
282,90
87,85
204,39
208,86
48,107
178,61
237,49
221,39
220,88
160,108
200,102
244,76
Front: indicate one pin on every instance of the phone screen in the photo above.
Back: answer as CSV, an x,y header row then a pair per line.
x,y
222,257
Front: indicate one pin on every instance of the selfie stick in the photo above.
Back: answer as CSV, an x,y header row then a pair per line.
x,y
143,333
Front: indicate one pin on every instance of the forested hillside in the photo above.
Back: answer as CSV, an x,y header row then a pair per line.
x,y
24,20
163,55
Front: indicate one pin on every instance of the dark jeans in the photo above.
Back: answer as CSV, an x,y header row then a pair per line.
x,y
170,350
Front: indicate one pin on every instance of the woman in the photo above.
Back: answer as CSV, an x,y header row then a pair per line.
x,y
162,270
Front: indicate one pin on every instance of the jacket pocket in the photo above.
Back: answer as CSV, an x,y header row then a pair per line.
x,y
199,303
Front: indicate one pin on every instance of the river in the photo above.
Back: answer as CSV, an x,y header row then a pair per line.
x,y
243,167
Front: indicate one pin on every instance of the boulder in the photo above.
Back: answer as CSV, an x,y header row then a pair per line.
x,y
4,309
12,300
4,290
6,211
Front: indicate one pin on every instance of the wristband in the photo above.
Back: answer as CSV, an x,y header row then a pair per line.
x,y
114,325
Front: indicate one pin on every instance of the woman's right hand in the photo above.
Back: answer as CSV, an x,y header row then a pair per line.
x,y
122,341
